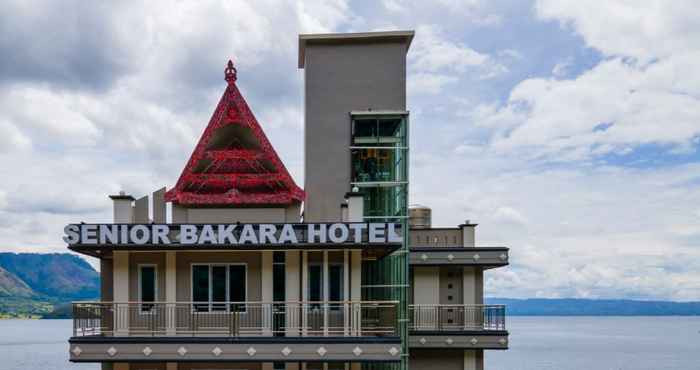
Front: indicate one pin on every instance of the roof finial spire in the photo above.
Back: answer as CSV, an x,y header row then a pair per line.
x,y
230,72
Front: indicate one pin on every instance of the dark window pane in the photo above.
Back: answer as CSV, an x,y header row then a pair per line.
x,y
278,257
148,286
389,127
365,128
315,287
200,283
237,283
218,286
278,283
336,283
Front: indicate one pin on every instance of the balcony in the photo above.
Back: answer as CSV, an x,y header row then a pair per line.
x,y
235,331
458,326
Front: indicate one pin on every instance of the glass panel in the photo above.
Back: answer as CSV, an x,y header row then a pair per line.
x,y
378,164
335,282
237,286
364,131
315,286
385,200
278,282
148,286
218,287
384,131
200,286
278,257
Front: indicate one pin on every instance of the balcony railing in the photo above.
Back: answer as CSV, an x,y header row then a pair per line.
x,y
236,319
457,317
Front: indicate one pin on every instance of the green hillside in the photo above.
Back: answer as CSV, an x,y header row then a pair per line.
x,y
12,286
33,285
60,276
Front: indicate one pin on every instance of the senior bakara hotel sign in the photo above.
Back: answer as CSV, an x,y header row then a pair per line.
x,y
232,234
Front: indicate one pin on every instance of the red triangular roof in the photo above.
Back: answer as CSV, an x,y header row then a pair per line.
x,y
234,162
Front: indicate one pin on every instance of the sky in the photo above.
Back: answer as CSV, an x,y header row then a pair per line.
x,y
569,130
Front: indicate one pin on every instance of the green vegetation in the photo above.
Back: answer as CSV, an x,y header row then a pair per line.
x,y
36,285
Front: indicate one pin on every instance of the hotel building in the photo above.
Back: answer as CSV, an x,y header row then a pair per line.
x,y
244,269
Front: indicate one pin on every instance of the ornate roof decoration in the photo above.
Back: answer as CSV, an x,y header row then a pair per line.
x,y
234,162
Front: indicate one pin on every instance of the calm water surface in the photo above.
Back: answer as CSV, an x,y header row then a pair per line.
x,y
536,343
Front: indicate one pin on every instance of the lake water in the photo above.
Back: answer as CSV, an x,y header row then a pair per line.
x,y
536,343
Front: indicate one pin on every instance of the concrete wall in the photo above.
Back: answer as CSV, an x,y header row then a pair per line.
x,y
339,79
473,285
442,359
431,285
446,359
426,285
451,285
106,282
435,237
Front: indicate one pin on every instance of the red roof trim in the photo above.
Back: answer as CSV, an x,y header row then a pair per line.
x,y
210,186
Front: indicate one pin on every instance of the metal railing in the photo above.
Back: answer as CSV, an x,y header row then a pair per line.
x,y
449,317
236,319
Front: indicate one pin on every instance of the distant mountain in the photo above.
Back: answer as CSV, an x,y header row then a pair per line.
x,y
59,276
595,307
33,285
12,286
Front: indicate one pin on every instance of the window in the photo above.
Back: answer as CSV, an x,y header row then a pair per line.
x,y
147,286
315,283
335,289
278,277
335,285
215,284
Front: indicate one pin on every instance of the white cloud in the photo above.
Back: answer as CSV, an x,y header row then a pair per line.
x,y
561,69
428,83
11,138
432,52
646,91
647,29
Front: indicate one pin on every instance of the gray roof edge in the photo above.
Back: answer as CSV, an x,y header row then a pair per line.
x,y
407,35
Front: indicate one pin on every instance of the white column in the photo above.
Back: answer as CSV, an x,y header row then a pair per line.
x,y
356,289
469,359
355,207
292,285
141,210
469,285
346,292
304,290
355,213
159,208
326,285
426,294
171,291
120,281
267,292
469,292
468,234
123,211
